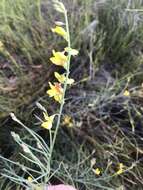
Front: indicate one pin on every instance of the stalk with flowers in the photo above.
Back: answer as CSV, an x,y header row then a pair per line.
x,y
58,89
39,154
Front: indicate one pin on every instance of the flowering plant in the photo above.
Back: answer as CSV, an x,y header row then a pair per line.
x,y
39,153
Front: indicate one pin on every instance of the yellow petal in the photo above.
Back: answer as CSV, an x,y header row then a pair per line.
x,y
62,78
58,98
51,118
59,55
121,165
59,59
50,93
60,31
126,93
56,91
51,85
30,179
46,117
49,121
68,121
56,61
47,125
121,169
96,171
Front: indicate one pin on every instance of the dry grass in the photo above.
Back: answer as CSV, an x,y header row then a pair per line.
x,y
107,125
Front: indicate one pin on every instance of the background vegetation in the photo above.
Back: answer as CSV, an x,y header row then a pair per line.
x,y
106,123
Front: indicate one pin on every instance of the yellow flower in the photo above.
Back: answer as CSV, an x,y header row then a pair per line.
x,y
60,31
56,91
126,93
97,171
71,51
59,59
121,169
68,121
47,124
30,179
62,78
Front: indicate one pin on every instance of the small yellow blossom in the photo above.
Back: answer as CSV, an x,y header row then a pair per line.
x,y
30,179
59,59
56,91
121,169
126,93
62,78
68,121
47,124
60,31
97,171
73,52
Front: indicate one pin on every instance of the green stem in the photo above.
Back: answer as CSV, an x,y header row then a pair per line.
x,y
64,89
65,84
39,10
63,96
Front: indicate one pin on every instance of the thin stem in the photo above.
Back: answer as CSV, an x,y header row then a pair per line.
x,y
65,84
39,10
64,92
